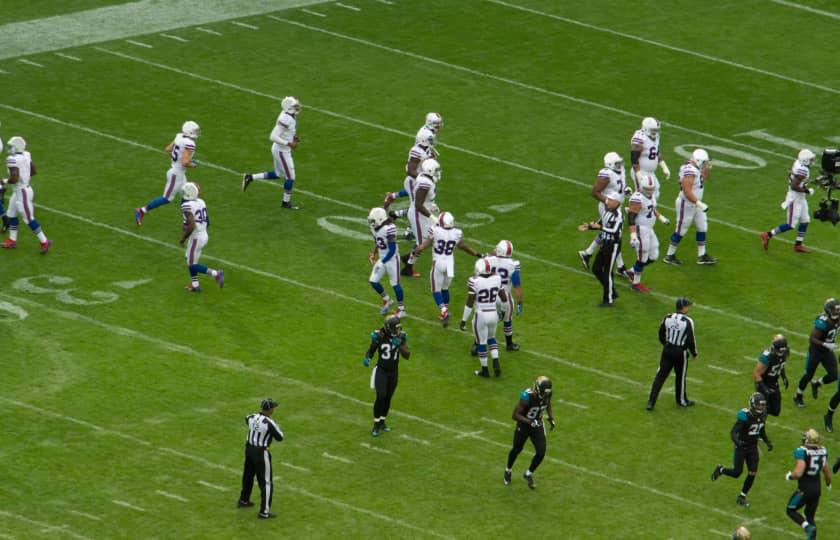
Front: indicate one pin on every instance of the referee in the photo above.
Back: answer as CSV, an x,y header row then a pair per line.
x,y
676,333
261,431
610,235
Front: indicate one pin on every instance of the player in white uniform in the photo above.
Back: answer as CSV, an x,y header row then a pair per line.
x,y
284,139
196,222
484,289
421,213
691,208
22,202
508,269
423,149
646,153
5,223
445,237
641,217
385,259
610,184
181,151
796,202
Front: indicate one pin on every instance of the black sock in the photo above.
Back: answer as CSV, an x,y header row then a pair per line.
x,y
748,482
509,339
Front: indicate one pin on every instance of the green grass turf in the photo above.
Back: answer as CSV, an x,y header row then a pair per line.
x,y
96,396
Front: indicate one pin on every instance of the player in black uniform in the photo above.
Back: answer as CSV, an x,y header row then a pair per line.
x,y
821,351
529,425
745,434
811,460
391,342
768,369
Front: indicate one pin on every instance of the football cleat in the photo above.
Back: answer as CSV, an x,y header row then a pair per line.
x,y
798,401
139,214
649,406
45,247
384,427
584,259
717,472
474,349
706,259
408,235
672,259
765,240
828,420
640,287
244,504
246,180
444,317
530,479
483,372
375,431
400,312
9,244
220,278
386,305
512,347
497,368
289,206
688,403
815,389
799,248
811,532
629,274
506,478
742,501
190,288
267,515
836,467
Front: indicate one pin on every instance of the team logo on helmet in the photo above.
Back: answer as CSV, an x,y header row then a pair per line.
x,y
542,387
377,217
504,249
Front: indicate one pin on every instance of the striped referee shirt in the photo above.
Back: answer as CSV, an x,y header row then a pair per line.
x,y
611,221
677,330
262,430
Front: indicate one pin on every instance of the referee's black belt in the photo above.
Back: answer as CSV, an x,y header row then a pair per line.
x,y
249,445
673,347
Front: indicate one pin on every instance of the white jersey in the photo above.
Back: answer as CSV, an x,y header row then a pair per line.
x,y
427,182
444,242
384,235
504,267
647,215
798,169
616,185
649,159
486,290
179,145
418,151
23,162
284,130
688,169
199,211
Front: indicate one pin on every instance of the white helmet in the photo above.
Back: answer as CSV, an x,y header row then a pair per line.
x,y
425,137
504,248
434,121
613,161
290,105
700,157
806,157
647,184
191,129
430,167
16,144
650,127
446,220
483,267
377,217
190,191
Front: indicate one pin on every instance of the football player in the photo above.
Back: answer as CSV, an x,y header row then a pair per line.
x,y
646,153
284,139
423,149
641,217
484,288
769,368
748,428
391,343
796,202
821,345
181,151
5,224
196,222
445,237
421,213
811,461
610,184
529,425
509,270
22,202
691,208
388,260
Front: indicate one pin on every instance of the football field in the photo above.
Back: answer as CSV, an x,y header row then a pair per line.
x,y
122,396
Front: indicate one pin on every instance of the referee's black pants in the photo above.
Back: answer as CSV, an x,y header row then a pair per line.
x,y
385,383
257,464
675,358
603,269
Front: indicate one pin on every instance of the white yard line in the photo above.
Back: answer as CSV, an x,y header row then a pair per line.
x,y
607,394
92,517
375,448
414,439
42,525
309,11
347,6
139,44
175,38
171,495
693,380
245,25
210,485
126,504
571,403
338,458
294,467
496,422
68,57
386,2
469,434
723,369
30,62
208,31
810,9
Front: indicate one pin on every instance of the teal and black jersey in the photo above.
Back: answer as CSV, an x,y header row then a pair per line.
x,y
815,458
826,328
388,347
747,429
534,405
775,366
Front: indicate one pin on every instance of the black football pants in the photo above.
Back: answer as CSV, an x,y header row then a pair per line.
x,y
520,436
672,358
257,464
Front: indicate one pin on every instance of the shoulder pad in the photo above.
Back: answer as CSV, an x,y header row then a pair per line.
x,y
743,415
374,336
799,453
764,358
525,395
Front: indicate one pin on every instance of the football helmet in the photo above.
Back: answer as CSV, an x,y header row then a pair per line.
x,y
290,105
392,326
425,137
542,387
190,191
446,220
434,121
742,533
758,403
832,308
806,157
647,184
504,248
191,129
613,161
650,127
16,145
377,217
780,344
811,437
483,267
700,157
431,167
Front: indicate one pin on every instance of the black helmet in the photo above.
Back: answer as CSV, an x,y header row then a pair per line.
x,y
268,404
682,302
758,403
542,387
780,344
392,325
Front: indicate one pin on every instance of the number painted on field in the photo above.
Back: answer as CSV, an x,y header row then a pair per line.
x,y
64,294
748,161
11,313
477,220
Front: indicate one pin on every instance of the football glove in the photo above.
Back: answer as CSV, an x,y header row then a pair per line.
x,y
463,325
665,170
785,381
634,240
702,206
366,361
789,476
551,422
519,308
769,446
829,346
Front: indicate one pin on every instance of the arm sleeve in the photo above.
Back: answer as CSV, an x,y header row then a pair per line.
x,y
634,156
515,279
374,344
392,248
275,430
662,332
735,433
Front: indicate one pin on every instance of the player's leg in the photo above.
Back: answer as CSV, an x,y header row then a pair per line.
x,y
796,502
15,208
684,219
680,372
28,203
789,208
507,323
287,164
752,458
376,274
195,248
701,225
810,369
738,458
812,501
538,440
774,401
380,384
444,280
391,381
248,473
259,472
436,284
480,334
409,259
804,219
492,321
520,435
642,255
268,481
174,184
829,362
247,178
393,269
665,366
833,403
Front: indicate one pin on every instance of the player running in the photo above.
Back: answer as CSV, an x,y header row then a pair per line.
x,y
385,259
196,222
22,202
795,204
529,425
484,289
641,217
821,345
811,461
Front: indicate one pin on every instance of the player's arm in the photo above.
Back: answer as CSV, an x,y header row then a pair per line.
x,y
420,200
169,147
758,374
827,474
189,226
468,307
423,245
14,175
516,282
633,211
598,189
412,168
636,150
690,342
736,431
404,351
798,184
392,248
816,339
687,183
519,412
463,246
662,333
550,412
798,470
32,170
274,429
375,338
187,157
503,294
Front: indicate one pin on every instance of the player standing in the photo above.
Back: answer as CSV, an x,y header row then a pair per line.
x,y
181,151
484,288
509,270
821,345
391,342
196,222
423,149
529,425
768,369
641,217
421,213
796,202
811,461
284,139
388,260
691,208
21,170
646,153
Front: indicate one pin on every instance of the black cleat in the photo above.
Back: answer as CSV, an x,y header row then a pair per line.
x,y
244,504
408,236
649,406
512,347
798,401
815,389
289,206
266,515
507,478
530,479
483,372
497,367
474,349
717,472
584,259
836,467
607,304
828,419
742,501
384,427
706,259
672,260
375,431
246,180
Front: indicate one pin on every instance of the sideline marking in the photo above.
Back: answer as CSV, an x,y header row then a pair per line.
x,y
345,6
338,458
607,394
171,495
309,11
128,505
30,62
139,43
245,25
68,57
723,369
176,38
212,486
208,31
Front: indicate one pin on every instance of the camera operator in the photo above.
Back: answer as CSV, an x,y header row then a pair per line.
x,y
796,202
829,206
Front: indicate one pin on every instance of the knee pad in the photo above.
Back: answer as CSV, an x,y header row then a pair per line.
x,y
13,222
34,225
288,184
675,238
701,236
